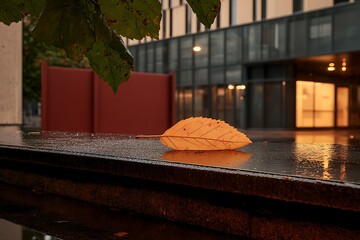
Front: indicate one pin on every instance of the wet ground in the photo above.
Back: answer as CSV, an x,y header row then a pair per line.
x,y
330,156
326,155
31,215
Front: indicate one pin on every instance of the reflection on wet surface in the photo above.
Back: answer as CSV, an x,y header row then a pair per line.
x,y
222,158
328,155
12,231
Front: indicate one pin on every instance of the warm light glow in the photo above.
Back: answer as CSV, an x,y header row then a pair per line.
x,y
283,83
241,87
197,49
344,62
342,106
343,65
231,87
331,67
315,104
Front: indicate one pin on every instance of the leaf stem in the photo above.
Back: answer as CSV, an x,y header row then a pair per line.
x,y
148,136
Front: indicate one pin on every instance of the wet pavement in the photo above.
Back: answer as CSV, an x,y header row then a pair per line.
x,y
326,155
284,182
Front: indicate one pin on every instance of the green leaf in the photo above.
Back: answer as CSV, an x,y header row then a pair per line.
x,y
205,10
15,10
64,24
133,18
112,62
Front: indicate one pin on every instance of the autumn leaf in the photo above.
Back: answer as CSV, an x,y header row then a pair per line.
x,y
198,133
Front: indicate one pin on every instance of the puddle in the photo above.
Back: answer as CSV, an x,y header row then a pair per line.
x,y
12,231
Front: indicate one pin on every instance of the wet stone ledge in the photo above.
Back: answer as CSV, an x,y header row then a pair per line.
x,y
265,191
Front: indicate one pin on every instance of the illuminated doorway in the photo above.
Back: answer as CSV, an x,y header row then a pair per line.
x,y
342,106
315,104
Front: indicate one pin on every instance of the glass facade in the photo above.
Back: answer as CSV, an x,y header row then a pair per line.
x,y
243,75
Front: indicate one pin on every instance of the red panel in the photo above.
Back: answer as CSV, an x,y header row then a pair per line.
x,y
44,93
142,105
68,99
77,100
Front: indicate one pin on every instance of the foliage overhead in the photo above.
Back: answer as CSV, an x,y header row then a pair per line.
x,y
95,28
35,52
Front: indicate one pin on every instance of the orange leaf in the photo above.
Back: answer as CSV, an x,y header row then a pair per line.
x,y
203,134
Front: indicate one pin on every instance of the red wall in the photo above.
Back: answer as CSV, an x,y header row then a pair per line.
x,y
77,100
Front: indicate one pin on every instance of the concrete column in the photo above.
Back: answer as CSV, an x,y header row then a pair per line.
x,y
11,73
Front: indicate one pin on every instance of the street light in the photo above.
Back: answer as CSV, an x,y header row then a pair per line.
x,y
196,48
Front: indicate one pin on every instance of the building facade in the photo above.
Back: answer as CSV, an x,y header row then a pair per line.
x,y
280,64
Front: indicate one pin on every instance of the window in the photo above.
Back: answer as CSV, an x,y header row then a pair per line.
x,y
141,58
201,102
320,34
171,23
150,58
160,63
201,77
217,48
297,6
186,53
198,26
340,1
173,55
201,57
253,42
263,9
320,27
256,102
254,10
188,19
315,103
342,107
233,15
233,45
185,97
164,23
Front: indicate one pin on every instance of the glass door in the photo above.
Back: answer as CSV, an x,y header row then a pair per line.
x,y
315,104
342,107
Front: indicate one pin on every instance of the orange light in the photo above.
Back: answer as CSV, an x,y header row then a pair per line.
x,y
331,67
231,87
240,87
343,69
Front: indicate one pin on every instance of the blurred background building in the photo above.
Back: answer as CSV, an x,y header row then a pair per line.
x,y
10,74
263,64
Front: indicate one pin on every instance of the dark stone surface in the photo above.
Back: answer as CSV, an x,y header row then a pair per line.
x,y
70,219
331,155
276,187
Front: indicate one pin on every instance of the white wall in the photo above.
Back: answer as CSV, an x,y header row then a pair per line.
x,y
11,74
